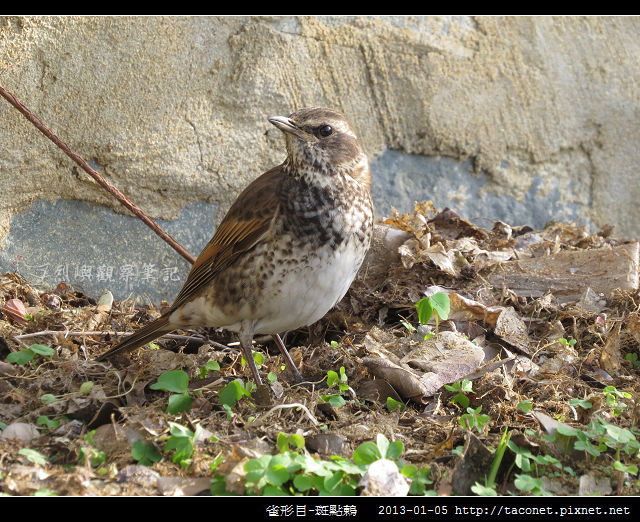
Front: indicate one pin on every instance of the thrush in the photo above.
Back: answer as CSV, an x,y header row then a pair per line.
x,y
288,248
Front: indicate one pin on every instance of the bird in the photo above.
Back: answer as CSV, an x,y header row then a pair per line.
x,y
288,248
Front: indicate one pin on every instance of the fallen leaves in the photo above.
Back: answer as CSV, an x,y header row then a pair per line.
x,y
426,365
546,346
15,310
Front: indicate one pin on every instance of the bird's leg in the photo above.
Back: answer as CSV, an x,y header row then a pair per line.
x,y
287,358
245,343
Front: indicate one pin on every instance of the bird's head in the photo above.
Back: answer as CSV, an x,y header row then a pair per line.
x,y
321,141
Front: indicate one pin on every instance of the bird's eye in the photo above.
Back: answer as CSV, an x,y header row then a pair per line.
x,y
325,131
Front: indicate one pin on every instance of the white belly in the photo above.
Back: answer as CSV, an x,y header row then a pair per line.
x,y
308,292
298,294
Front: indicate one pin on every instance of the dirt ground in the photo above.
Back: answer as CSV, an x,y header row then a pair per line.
x,y
534,355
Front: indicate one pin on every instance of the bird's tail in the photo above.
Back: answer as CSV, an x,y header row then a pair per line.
x,y
140,338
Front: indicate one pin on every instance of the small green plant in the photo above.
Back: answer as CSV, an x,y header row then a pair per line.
x,y
531,485
182,443
499,455
370,451
621,440
232,393
26,355
596,439
420,479
269,474
533,466
407,325
44,492
462,388
582,403
563,436
458,450
216,462
489,487
145,453
47,422
525,406
297,473
176,381
570,342
48,398
290,473
89,454
210,366
633,359
339,381
33,456
334,379
86,387
623,468
473,419
285,442
484,491
219,481
258,358
524,457
528,462
584,443
393,405
438,306
613,399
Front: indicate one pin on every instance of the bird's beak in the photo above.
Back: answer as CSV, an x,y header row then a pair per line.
x,y
287,126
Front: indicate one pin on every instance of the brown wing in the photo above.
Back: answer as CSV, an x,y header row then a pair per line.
x,y
247,221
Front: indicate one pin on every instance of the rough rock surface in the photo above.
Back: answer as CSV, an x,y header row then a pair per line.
x,y
522,119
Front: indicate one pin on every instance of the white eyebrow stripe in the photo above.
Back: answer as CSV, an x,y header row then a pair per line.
x,y
341,126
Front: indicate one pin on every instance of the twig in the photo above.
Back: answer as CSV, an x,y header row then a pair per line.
x,y
179,337
292,405
95,175
133,384
67,333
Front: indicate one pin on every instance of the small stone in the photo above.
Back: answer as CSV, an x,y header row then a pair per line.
x,y
21,431
384,479
326,443
140,475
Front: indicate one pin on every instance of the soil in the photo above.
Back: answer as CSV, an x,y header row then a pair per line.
x,y
565,351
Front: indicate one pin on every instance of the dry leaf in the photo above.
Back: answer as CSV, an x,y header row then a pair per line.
x,y
473,466
506,322
406,382
377,390
633,325
448,354
443,259
611,358
105,302
511,328
15,310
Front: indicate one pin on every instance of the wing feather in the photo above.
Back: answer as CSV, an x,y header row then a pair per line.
x,y
246,223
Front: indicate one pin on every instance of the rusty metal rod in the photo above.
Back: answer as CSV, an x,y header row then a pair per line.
x,y
95,175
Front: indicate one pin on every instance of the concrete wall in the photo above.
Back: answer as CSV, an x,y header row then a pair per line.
x,y
520,119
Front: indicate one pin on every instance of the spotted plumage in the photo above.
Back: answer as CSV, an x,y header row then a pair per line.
x,y
288,248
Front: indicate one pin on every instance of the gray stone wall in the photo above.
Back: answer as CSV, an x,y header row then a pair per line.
x,y
522,119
